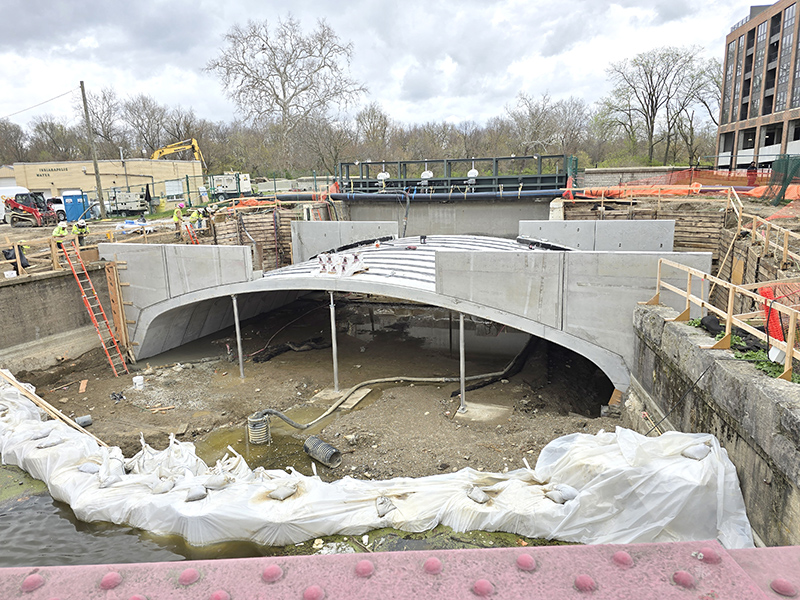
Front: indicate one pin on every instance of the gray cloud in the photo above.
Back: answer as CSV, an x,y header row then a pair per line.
x,y
140,41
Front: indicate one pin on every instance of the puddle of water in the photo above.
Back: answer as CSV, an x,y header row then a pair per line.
x,y
285,449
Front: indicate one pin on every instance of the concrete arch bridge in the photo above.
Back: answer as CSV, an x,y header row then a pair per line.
x,y
580,299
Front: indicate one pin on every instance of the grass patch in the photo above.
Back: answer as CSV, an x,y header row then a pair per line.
x,y
761,361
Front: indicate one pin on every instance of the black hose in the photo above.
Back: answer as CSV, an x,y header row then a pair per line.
x,y
514,367
280,415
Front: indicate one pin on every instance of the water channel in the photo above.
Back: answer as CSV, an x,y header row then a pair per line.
x,y
40,531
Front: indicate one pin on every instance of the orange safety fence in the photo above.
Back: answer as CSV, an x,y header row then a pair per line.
x,y
267,201
627,191
722,177
792,191
771,317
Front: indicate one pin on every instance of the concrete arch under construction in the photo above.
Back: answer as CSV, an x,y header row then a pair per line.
x,y
581,300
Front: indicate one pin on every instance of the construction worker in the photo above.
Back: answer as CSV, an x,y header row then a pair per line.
x,y
60,232
194,218
177,217
81,229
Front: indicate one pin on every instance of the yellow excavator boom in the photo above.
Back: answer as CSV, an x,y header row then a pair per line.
x,y
178,147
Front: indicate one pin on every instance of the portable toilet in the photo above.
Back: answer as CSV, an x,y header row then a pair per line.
x,y
75,205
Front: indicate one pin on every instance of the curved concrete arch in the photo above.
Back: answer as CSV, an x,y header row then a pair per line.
x,y
200,313
583,301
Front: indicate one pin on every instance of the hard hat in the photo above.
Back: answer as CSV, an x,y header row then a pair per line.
x,y
62,223
81,223
181,205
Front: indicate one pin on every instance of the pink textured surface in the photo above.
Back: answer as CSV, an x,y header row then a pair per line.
x,y
766,565
548,572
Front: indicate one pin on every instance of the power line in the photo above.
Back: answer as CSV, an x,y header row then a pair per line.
x,y
40,103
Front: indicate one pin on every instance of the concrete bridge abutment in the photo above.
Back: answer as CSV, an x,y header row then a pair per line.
x,y
755,417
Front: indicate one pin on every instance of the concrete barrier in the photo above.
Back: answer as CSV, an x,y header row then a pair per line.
x,y
45,321
309,238
608,236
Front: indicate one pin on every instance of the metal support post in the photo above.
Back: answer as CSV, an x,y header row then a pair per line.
x,y
238,335
463,407
334,347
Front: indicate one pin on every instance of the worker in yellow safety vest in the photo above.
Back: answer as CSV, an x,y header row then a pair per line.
x,y
194,218
81,229
177,216
60,232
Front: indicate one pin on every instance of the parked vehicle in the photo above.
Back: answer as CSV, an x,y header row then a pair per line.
x,y
229,185
8,193
30,209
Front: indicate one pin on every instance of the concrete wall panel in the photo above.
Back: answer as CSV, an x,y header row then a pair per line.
x,y
498,218
601,289
309,238
604,236
525,283
147,275
573,234
641,236
192,268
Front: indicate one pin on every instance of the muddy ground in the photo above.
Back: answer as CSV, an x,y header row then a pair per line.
x,y
397,430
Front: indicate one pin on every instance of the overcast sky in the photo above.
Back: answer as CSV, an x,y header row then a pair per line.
x,y
422,61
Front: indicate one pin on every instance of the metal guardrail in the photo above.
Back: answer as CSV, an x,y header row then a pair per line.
x,y
742,320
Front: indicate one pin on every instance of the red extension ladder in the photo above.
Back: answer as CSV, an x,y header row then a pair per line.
x,y
96,312
192,234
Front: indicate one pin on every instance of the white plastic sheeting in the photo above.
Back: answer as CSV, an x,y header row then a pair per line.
x,y
608,488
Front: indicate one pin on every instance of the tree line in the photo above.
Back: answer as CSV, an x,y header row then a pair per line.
x,y
300,110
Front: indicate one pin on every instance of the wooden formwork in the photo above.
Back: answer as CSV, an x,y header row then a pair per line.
x,y
695,231
268,231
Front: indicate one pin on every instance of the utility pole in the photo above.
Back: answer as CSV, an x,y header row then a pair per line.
x,y
94,155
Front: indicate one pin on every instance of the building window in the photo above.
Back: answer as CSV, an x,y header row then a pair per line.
x,y
737,86
730,64
773,135
794,132
747,138
785,64
758,68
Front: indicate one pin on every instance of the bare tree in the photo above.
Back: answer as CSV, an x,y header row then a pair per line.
x,y
467,134
327,142
698,136
285,74
54,139
374,129
13,143
709,92
105,111
146,119
651,85
497,137
534,123
571,118
180,124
